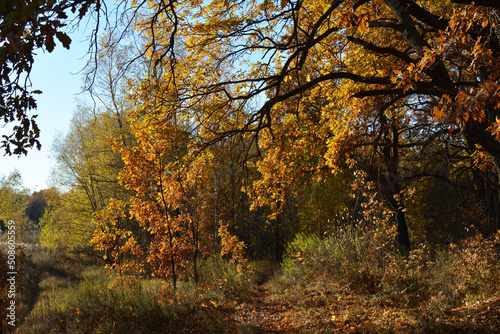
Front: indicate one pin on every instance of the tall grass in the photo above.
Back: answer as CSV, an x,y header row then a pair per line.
x,y
355,256
76,297
222,282
97,305
362,262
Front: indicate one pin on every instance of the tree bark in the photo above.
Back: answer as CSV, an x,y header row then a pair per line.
x,y
391,159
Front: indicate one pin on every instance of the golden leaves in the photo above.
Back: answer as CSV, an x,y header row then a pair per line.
x,y
231,245
120,246
319,129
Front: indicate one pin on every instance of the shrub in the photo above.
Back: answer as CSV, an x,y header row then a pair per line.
x,y
224,278
436,279
354,256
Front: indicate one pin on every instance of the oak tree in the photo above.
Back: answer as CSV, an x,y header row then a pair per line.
x,y
366,74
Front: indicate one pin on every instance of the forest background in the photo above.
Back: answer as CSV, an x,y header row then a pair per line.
x,y
282,166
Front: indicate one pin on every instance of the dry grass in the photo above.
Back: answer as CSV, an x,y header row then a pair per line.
x,y
349,282
351,289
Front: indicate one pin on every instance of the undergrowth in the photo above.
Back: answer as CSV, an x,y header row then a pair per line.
x,y
352,280
361,266
75,296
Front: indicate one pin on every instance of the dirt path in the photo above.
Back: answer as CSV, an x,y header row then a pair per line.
x,y
263,313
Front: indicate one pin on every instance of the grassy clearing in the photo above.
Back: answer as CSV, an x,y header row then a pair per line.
x,y
78,295
351,281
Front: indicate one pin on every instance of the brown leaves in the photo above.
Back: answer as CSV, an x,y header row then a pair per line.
x,y
470,106
64,39
172,200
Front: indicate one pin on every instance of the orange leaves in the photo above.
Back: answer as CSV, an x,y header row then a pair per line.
x,y
172,197
406,79
495,129
467,106
231,245
482,161
305,129
440,111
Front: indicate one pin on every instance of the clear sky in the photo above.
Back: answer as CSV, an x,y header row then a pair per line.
x,y
56,74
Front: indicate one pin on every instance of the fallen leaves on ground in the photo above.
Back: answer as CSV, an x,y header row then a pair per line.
x,y
342,311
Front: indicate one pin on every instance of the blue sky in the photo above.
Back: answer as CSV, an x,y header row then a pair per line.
x,y
56,74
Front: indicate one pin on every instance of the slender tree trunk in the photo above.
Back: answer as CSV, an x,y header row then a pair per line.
x,y
174,274
195,267
391,158
196,253
277,251
172,257
169,229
